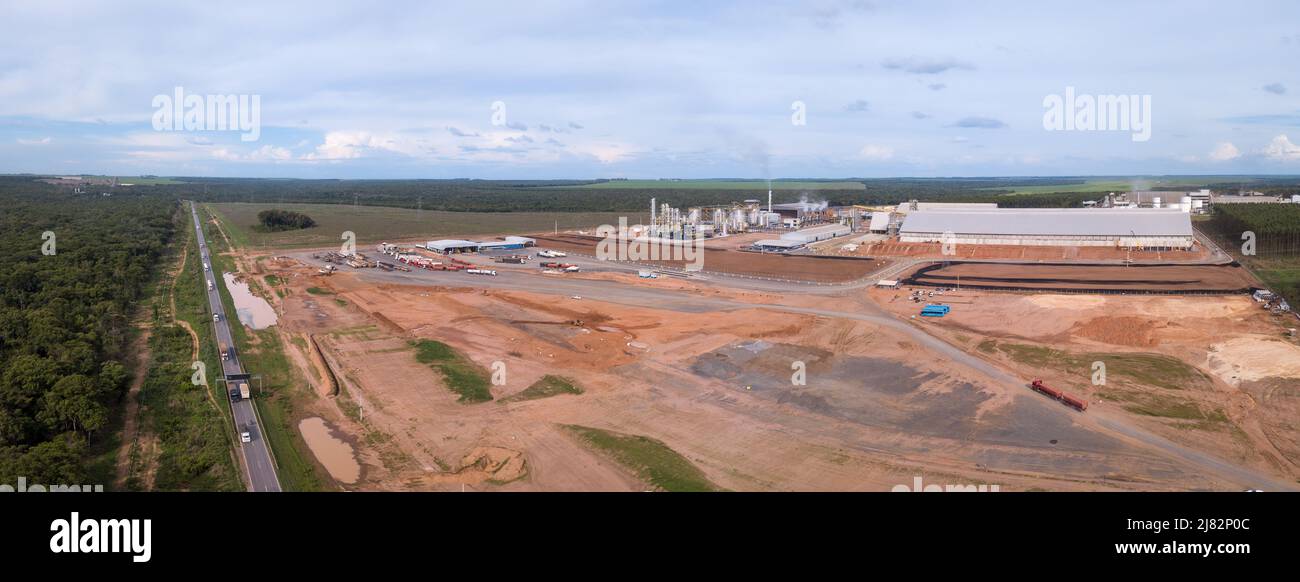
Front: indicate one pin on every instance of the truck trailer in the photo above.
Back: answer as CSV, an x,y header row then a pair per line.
x,y
1060,396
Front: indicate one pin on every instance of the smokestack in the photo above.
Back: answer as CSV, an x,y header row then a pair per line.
x,y
769,200
652,212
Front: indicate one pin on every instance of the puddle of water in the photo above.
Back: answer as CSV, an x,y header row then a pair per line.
x,y
252,310
331,451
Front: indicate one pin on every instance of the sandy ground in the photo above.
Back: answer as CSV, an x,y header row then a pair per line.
x,y
876,410
1246,381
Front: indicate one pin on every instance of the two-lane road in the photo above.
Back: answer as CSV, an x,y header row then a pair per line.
x,y
256,455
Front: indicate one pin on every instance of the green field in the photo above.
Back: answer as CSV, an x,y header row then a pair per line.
x,y
652,460
373,224
720,185
1122,184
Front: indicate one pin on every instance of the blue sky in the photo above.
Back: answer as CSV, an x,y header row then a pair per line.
x,y
650,89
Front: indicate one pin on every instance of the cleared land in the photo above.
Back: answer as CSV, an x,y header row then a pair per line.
x,y
720,260
373,224
1215,373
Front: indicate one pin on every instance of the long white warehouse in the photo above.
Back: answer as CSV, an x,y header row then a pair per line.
x,y
1155,229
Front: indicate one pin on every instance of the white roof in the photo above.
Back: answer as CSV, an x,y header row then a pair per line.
x,y
1052,221
879,221
816,230
450,243
775,242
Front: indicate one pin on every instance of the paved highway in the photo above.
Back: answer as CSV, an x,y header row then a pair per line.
x,y
256,455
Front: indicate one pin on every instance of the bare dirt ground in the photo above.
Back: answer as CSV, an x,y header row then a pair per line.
x,y
1232,387
877,408
723,260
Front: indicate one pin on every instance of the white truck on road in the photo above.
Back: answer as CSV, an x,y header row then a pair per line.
x,y
243,391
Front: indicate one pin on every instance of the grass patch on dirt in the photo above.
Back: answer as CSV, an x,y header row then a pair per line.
x,y
1164,407
319,291
461,375
1156,370
546,387
652,460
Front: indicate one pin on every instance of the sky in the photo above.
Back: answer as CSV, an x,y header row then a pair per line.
x,y
688,89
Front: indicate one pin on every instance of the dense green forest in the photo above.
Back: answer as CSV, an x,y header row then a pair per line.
x,y
65,303
276,220
1276,226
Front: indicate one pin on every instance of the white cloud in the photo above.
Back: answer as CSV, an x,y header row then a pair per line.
x,y
1281,148
42,141
1225,151
876,152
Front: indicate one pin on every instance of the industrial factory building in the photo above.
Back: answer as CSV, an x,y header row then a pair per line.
x,y
449,246
818,233
1151,229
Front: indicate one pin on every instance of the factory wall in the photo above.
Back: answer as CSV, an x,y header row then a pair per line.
x,y
1146,242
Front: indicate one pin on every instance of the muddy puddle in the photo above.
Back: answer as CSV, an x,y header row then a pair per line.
x,y
332,452
252,310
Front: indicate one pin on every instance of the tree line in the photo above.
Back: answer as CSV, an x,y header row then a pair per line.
x,y
72,268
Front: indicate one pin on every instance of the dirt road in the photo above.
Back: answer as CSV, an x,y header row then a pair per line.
x,y
701,302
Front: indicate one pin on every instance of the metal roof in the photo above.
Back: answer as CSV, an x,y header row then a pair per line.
x,y
1052,221
773,242
450,244
816,230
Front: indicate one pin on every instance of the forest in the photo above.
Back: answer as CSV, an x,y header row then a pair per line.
x,y
72,269
569,196
276,220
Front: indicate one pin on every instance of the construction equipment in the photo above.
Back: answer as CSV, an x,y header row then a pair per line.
x,y
1064,398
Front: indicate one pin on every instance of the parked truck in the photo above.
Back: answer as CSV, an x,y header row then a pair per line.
x,y
210,285
243,391
1063,397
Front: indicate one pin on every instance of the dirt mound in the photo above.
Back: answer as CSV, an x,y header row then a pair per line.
x,y
496,464
1120,331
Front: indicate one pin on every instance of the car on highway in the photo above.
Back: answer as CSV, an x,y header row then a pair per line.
x,y
216,317
245,437
234,395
